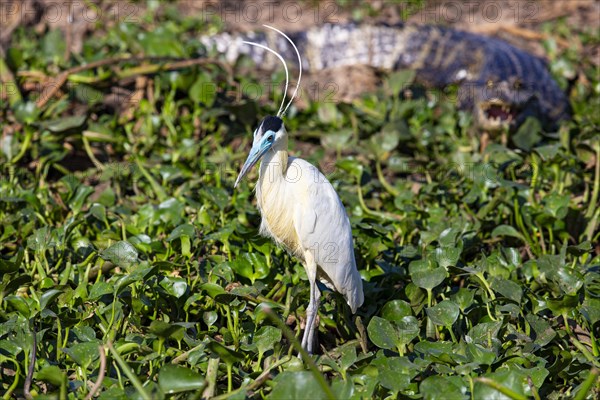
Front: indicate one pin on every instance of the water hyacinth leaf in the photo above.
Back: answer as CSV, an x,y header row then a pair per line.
x,y
137,275
513,380
83,354
507,230
508,289
14,284
528,134
297,385
398,81
266,337
65,124
444,313
563,304
121,253
251,265
51,374
448,237
395,310
483,332
42,239
464,298
100,289
590,309
353,167
342,389
182,230
212,289
430,278
348,357
20,304
217,196
435,350
176,379
170,211
479,354
10,266
9,347
580,249
228,355
175,286
395,373
556,205
210,317
166,330
382,333
48,297
447,257
80,197
443,388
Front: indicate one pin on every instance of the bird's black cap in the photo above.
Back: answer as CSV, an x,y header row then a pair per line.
x,y
270,123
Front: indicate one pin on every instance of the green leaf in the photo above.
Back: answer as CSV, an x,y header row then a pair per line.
x,y
513,380
507,230
400,80
48,297
53,45
251,265
7,267
65,124
212,289
297,385
228,355
528,134
100,289
166,330
444,388
444,313
176,379
395,373
121,253
478,354
351,166
382,333
429,278
395,310
182,230
348,357
266,337
204,90
508,289
464,298
175,286
51,374
20,304
83,354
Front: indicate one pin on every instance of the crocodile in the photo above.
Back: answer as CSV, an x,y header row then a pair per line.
x,y
501,84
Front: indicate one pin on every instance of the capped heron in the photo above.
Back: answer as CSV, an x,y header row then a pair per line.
x,y
302,212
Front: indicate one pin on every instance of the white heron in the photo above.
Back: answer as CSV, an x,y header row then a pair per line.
x,y
302,212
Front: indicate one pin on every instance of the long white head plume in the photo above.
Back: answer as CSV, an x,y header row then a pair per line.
x,y
299,66
287,76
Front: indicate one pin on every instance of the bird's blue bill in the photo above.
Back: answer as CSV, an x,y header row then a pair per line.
x,y
257,151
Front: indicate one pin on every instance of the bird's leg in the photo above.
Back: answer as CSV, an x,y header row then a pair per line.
x,y
314,327
311,310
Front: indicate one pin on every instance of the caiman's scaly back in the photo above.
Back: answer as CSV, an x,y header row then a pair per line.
x,y
500,83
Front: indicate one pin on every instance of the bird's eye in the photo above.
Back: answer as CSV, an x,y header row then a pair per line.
x,y
270,138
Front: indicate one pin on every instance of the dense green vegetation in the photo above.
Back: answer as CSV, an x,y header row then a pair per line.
x,y
127,258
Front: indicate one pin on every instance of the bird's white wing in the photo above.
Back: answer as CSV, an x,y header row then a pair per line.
x,y
323,229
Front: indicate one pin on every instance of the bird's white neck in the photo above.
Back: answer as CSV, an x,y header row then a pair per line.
x,y
274,164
